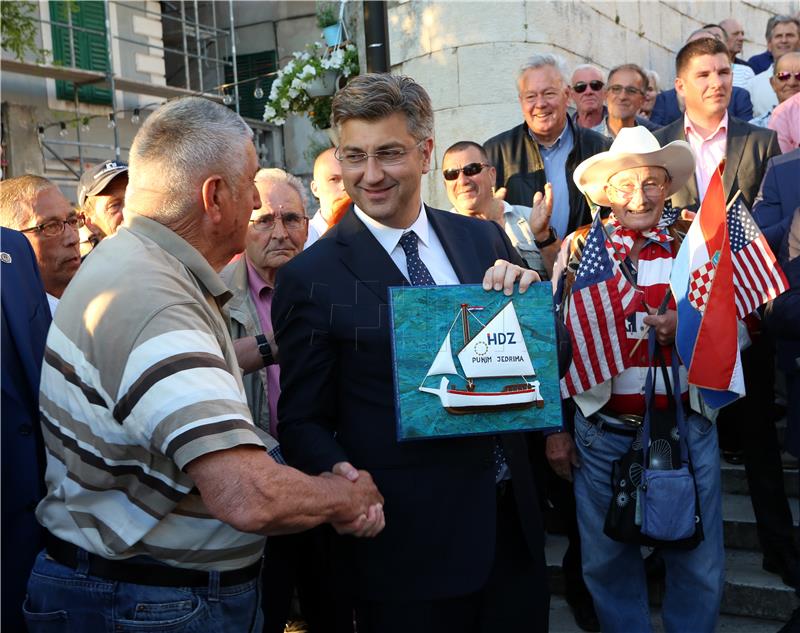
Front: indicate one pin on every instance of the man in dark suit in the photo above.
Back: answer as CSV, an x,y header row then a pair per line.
x,y
462,550
26,319
778,198
704,81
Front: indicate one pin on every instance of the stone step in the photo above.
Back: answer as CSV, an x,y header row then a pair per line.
x,y
740,522
749,590
734,480
561,621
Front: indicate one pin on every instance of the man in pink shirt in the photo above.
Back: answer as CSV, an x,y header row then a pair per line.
x,y
704,81
785,120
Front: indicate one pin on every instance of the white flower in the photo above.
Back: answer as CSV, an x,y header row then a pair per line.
x,y
308,69
297,83
279,121
305,57
273,92
293,92
285,104
297,54
269,112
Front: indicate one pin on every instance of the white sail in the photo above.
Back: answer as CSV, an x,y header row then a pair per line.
x,y
498,349
443,363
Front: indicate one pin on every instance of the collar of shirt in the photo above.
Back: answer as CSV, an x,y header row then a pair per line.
x,y
689,128
254,279
563,138
389,237
184,252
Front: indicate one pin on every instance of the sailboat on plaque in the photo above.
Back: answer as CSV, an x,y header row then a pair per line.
x,y
496,351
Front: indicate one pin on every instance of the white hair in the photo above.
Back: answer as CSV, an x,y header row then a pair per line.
x,y
590,67
275,175
180,145
545,59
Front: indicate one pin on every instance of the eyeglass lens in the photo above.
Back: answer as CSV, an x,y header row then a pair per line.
x,y
785,75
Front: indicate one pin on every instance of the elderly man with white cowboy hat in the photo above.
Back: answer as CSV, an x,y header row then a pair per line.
x,y
634,179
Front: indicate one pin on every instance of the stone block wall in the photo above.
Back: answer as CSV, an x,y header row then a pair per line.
x,y
466,54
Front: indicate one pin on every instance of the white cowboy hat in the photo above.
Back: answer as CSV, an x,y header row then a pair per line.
x,y
634,147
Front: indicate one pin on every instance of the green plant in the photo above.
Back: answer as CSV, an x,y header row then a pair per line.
x,y
288,93
20,28
327,14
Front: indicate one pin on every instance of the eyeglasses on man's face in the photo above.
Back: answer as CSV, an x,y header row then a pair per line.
x,y
631,91
649,188
470,169
291,222
388,156
785,75
595,84
52,228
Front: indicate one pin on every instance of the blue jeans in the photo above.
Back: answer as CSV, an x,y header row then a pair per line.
x,y
69,601
614,572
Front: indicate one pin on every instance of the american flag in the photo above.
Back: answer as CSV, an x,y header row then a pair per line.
x,y
757,278
601,299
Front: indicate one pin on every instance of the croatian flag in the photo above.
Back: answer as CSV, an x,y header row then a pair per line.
x,y
600,302
702,283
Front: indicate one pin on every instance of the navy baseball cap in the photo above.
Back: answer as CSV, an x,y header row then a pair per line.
x,y
98,178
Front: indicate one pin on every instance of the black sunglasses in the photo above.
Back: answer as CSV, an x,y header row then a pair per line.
x,y
471,169
594,84
785,74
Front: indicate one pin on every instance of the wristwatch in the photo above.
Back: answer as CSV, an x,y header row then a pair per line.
x,y
551,237
264,349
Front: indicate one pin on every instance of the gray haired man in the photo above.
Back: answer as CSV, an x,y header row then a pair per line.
x,y
159,485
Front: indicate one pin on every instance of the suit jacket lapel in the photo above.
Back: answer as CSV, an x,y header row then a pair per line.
x,y
458,245
363,255
736,139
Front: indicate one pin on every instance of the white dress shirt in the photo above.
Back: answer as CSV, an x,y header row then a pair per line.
x,y
52,302
431,251
761,93
317,226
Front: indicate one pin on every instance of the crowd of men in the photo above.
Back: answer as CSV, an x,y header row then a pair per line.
x,y
191,362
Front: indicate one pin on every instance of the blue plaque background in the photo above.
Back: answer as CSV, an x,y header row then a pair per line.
x,y
420,318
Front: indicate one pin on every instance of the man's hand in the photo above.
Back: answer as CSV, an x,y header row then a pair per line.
x,y
541,212
664,325
368,523
503,274
561,454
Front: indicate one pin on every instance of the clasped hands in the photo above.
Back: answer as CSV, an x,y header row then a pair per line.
x,y
366,518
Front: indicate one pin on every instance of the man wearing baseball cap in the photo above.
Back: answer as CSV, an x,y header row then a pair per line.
x,y
101,196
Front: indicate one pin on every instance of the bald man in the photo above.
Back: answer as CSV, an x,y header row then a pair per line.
x,y
327,187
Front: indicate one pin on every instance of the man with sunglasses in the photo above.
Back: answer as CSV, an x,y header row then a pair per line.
x,y
783,37
35,207
587,90
469,181
785,82
627,86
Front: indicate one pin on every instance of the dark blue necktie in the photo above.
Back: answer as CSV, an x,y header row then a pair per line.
x,y
418,273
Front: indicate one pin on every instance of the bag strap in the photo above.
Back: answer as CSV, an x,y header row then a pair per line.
x,y
656,357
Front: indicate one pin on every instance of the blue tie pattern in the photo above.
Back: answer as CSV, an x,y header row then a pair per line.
x,y
418,273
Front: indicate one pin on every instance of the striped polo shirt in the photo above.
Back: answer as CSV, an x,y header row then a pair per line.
x,y
139,378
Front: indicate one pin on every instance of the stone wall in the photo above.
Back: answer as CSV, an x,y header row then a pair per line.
x,y
466,53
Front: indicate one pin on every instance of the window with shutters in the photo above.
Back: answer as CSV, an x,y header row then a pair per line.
x,y
90,46
248,66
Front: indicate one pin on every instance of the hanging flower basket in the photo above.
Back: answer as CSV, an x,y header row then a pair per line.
x,y
298,86
322,85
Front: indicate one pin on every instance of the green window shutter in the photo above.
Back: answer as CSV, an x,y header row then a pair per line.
x,y
91,49
248,66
